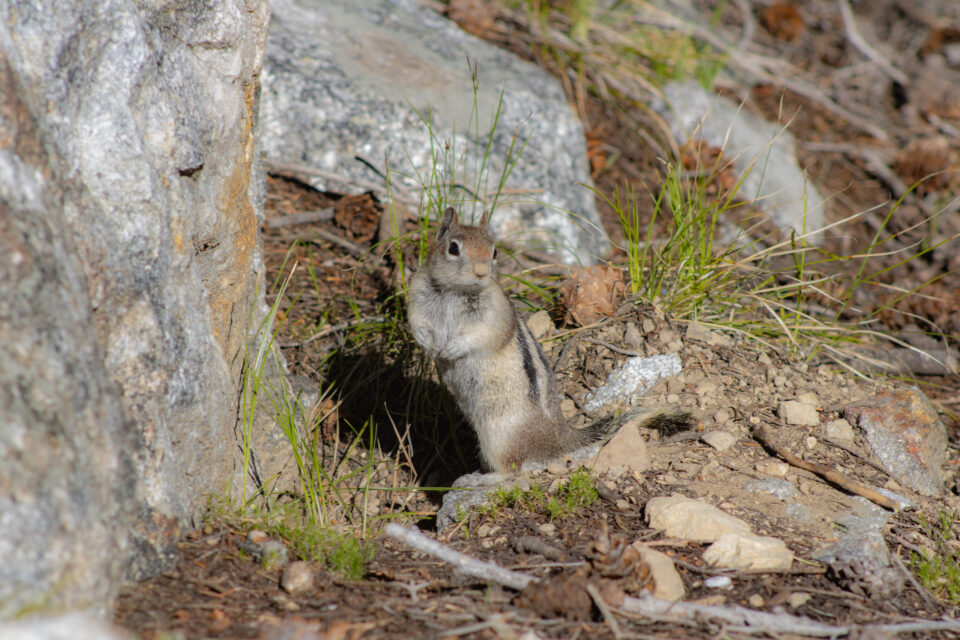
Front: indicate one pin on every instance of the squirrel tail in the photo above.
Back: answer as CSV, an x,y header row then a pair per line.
x,y
666,421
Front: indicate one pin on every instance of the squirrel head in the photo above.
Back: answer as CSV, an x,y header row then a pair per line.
x,y
463,256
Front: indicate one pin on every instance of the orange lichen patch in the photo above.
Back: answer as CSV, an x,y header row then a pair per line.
x,y
229,283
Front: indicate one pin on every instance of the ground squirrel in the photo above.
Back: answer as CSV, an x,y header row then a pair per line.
x,y
489,360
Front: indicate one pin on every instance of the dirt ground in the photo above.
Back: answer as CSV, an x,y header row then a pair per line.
x,y
218,590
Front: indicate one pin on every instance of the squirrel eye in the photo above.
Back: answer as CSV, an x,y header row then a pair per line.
x,y
454,248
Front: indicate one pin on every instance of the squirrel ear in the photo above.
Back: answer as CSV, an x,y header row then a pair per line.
x,y
448,221
485,220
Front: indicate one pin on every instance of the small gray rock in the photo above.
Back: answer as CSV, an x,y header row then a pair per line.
x,y
274,554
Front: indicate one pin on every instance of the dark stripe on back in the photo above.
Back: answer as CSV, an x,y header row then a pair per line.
x,y
528,365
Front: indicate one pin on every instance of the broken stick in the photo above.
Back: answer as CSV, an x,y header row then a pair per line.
x,y
831,476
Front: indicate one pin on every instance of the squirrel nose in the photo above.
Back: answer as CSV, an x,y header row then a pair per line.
x,y
481,269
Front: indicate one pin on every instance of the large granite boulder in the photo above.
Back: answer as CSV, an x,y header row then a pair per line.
x,y
348,78
128,269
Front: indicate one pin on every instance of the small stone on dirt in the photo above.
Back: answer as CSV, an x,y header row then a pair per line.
x,y
810,442
773,468
625,449
257,537
548,529
719,440
698,332
718,582
681,517
668,585
556,468
798,599
722,416
274,554
839,430
799,413
297,577
736,550
631,335
756,601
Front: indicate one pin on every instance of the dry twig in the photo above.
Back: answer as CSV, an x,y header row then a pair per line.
x,y
864,47
829,475
465,564
307,217
650,606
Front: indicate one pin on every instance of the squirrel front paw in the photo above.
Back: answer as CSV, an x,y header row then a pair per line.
x,y
425,338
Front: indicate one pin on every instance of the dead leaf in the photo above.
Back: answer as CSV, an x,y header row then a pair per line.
x,y
783,21
560,595
592,293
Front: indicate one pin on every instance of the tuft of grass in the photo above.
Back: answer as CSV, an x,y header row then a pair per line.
x,y
573,496
576,493
939,568
789,290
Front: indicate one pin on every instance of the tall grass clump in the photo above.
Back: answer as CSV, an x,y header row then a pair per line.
x,y
765,288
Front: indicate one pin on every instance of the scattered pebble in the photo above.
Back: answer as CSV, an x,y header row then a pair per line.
x,y
774,468
672,398
810,442
548,529
257,537
274,554
774,486
556,468
631,335
798,599
700,333
297,577
681,517
799,413
625,449
722,416
756,601
668,585
719,440
738,550
839,430
718,582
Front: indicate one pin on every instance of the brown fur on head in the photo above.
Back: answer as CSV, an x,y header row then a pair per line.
x,y
463,256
